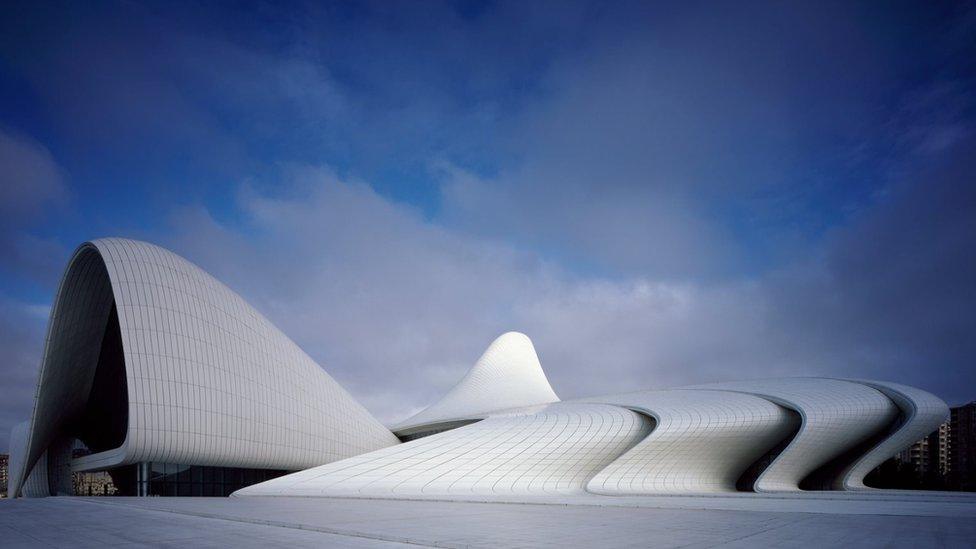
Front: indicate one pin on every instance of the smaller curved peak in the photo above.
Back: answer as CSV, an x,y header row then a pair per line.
x,y
921,413
703,441
508,375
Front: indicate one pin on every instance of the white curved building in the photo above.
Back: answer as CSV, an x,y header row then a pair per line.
x,y
702,442
508,375
35,485
835,418
921,413
773,435
543,450
176,386
149,359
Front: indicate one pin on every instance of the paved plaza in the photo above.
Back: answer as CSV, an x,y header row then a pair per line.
x,y
736,521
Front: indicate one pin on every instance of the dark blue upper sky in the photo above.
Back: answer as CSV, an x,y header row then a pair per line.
x,y
656,193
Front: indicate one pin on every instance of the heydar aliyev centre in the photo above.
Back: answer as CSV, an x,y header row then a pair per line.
x,y
174,385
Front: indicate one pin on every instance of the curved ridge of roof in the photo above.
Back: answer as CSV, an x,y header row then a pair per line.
x,y
921,413
207,379
508,375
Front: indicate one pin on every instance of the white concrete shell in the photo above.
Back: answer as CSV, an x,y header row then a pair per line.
x,y
150,359
552,449
702,442
207,379
921,414
836,417
508,375
35,485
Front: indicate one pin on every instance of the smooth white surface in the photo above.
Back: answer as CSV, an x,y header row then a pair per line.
x,y
35,485
747,522
210,381
552,449
922,413
836,416
702,443
74,335
508,375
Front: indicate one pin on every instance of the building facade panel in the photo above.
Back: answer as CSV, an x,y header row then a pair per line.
x,y
836,417
921,414
78,318
158,368
551,449
207,380
702,442
35,484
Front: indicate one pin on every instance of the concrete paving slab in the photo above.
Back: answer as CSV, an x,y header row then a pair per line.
x,y
797,521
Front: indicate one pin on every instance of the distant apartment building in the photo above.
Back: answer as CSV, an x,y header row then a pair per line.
x,y
4,458
929,455
938,443
962,447
917,457
945,459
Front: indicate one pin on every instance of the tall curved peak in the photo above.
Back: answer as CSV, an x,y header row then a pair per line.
x,y
149,358
508,375
921,414
703,442
837,417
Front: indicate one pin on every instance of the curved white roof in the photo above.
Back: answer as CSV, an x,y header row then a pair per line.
x,y
836,417
921,414
703,441
508,375
679,441
201,378
209,380
553,449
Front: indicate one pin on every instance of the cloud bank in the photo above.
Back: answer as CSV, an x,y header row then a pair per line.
x,y
656,195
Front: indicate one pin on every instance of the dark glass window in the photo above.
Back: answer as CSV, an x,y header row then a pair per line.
x,y
170,479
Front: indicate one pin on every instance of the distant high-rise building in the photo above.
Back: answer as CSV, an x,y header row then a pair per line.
x,y
943,449
927,459
945,459
3,474
962,447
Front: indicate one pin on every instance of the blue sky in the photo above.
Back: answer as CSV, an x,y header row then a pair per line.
x,y
657,194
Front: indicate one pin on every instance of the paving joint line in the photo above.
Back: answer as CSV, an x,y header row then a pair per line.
x,y
281,524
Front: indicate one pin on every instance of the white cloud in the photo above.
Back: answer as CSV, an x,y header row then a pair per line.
x,y
29,181
397,308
